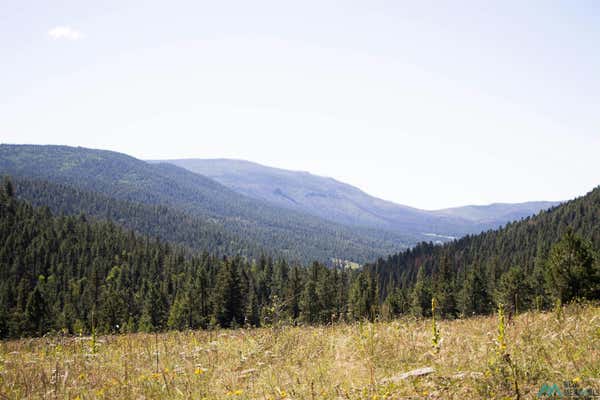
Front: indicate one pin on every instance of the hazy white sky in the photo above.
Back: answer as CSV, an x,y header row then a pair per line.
x,y
429,104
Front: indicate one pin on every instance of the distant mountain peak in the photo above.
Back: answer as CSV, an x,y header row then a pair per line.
x,y
339,202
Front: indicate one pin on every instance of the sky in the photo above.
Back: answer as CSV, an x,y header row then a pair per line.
x,y
431,104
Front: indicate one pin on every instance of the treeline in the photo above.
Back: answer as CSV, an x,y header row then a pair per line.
x,y
528,264
70,273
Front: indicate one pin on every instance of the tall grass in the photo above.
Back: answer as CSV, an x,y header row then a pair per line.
x,y
339,361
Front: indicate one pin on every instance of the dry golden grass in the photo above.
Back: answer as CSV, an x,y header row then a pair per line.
x,y
345,361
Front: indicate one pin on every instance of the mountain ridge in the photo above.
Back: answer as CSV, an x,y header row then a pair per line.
x,y
287,233
351,224
340,202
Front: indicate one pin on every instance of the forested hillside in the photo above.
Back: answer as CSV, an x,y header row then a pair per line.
x,y
156,221
526,264
68,273
343,203
74,274
283,232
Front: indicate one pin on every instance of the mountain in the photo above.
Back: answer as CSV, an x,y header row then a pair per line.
x,y
497,213
342,203
256,224
67,273
253,209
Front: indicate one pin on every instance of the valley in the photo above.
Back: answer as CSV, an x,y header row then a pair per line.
x,y
315,200
342,203
183,287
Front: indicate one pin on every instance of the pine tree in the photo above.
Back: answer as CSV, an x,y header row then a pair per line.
x,y
421,294
572,270
363,297
252,312
474,297
395,303
227,305
280,278
113,310
154,314
342,294
443,288
309,302
294,293
180,313
36,312
198,298
326,294
537,279
513,291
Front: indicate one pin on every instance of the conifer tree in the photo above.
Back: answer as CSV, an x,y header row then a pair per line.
x,y
228,297
252,312
474,297
113,309
309,302
155,310
363,297
326,294
36,317
443,288
180,314
572,270
421,294
513,291
294,293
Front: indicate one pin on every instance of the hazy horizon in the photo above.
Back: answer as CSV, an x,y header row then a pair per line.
x,y
317,175
424,104
333,177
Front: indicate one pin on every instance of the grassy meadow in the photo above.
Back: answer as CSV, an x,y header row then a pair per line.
x,y
342,361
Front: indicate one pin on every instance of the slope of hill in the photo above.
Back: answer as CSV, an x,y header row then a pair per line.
x,y
339,202
517,265
284,232
157,221
68,272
